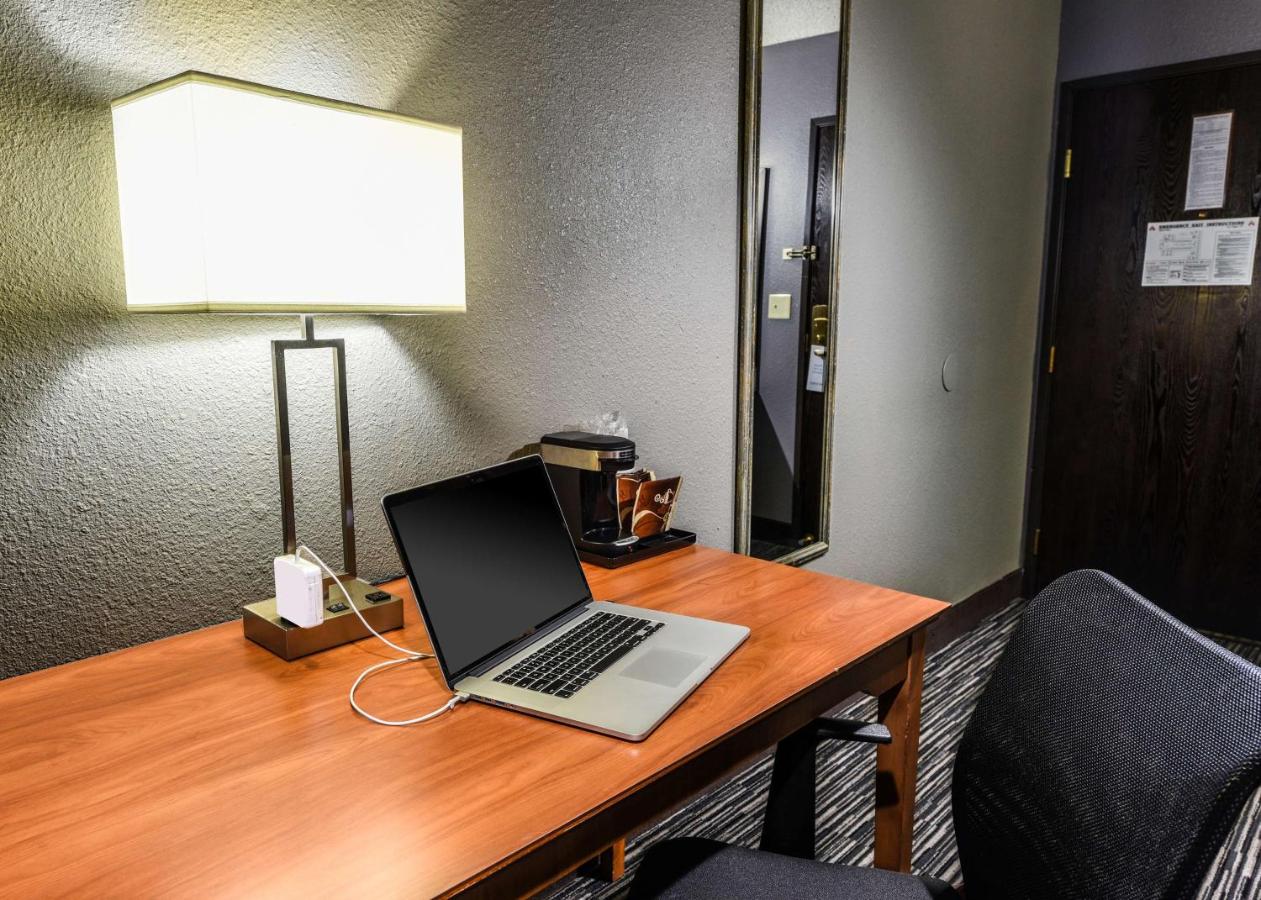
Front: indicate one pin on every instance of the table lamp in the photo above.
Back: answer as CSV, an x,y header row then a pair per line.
x,y
240,198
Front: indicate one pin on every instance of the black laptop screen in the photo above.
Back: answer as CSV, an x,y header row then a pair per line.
x,y
490,558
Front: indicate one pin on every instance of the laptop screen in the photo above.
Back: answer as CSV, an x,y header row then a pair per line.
x,y
489,557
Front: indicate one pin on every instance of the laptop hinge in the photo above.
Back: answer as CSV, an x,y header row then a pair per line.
x,y
516,646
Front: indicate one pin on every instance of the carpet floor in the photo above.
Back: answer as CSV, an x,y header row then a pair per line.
x,y
953,679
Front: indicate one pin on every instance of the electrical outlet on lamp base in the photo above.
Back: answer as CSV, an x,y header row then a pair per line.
x,y
337,623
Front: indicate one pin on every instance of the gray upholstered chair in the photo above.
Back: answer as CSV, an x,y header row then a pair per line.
x,y
1108,757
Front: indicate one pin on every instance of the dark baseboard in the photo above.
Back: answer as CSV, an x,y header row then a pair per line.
x,y
963,616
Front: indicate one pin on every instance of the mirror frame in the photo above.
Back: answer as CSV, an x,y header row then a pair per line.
x,y
746,339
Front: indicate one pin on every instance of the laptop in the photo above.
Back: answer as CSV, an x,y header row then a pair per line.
x,y
512,619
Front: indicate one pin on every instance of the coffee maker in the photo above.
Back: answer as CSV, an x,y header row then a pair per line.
x,y
583,468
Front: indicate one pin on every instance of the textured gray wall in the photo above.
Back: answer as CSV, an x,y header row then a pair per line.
x,y
798,84
1097,37
946,167
792,20
136,453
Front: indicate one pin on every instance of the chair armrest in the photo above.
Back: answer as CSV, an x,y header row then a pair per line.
x,y
788,827
852,730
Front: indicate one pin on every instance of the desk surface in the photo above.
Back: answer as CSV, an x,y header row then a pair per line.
x,y
201,765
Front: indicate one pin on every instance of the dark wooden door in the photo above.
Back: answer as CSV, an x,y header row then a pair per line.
x,y
816,290
1151,427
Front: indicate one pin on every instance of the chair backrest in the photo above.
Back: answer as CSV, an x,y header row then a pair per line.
x,y
1109,755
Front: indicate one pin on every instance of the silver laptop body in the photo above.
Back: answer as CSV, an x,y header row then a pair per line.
x,y
623,668
631,697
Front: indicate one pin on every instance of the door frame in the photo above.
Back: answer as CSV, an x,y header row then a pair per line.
x,y
1048,308
749,302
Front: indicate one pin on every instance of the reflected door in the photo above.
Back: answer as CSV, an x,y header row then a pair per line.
x,y
812,346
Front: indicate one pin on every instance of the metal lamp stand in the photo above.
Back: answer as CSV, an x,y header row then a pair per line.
x,y
383,611
284,450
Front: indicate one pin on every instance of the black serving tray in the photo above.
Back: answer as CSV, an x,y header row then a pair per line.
x,y
644,548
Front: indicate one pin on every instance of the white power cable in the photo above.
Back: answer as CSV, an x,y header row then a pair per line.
x,y
409,655
304,550
458,698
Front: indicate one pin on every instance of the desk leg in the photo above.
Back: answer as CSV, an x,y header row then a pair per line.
x,y
609,866
898,710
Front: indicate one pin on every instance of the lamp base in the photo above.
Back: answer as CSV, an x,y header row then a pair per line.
x,y
288,641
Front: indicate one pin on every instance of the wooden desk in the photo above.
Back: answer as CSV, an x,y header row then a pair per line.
x,y
203,766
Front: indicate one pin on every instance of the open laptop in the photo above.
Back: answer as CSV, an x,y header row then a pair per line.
x,y
511,617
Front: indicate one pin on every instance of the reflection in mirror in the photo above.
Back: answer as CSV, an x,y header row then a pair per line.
x,y
788,461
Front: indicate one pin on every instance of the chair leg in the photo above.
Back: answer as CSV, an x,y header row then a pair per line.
x,y
789,824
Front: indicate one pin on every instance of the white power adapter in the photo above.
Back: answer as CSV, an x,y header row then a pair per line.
x,y
299,591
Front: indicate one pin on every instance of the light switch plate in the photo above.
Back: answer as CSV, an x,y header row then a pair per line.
x,y
780,306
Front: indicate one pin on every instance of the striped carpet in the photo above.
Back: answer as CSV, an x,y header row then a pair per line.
x,y
953,679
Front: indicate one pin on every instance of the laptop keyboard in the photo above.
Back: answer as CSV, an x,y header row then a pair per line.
x,y
572,661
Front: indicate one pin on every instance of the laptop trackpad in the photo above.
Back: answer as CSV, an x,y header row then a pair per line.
x,y
665,667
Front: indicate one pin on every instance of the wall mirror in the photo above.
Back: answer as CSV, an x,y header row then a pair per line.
x,y
794,64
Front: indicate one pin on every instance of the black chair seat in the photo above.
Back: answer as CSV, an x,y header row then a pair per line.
x,y
700,869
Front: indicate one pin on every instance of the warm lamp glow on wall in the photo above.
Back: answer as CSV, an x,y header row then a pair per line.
x,y
239,198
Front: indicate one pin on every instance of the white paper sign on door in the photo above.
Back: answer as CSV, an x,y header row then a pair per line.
x,y
814,375
1200,252
1210,152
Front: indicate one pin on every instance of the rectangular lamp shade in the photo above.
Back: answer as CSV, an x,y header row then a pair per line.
x,y
240,198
